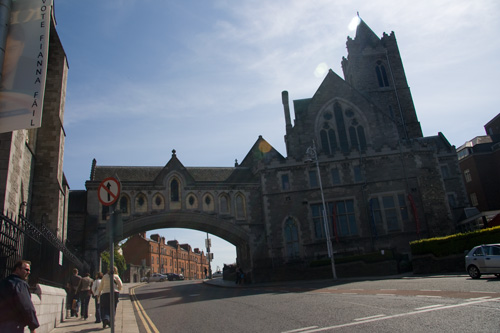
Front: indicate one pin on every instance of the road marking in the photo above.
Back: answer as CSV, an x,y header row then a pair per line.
x,y
404,314
429,296
300,329
429,307
430,290
384,294
142,313
371,317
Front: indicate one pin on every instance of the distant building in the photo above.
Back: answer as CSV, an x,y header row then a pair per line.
x,y
153,255
479,161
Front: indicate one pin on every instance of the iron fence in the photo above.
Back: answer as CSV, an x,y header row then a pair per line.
x,y
51,260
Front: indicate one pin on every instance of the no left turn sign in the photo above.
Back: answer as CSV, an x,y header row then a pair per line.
x,y
108,191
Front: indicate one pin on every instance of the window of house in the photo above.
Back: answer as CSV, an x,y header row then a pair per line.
x,y
335,176
313,178
473,199
381,75
124,202
391,215
403,208
240,206
285,182
358,176
224,204
174,190
291,238
467,176
376,216
319,229
345,218
452,201
445,172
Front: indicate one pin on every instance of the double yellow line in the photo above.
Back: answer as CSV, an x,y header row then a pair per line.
x,y
146,321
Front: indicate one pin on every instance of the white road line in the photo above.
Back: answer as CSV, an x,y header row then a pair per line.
x,y
429,296
403,315
429,307
430,290
385,294
371,317
300,329
349,293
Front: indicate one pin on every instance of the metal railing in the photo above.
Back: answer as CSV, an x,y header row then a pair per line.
x,y
51,260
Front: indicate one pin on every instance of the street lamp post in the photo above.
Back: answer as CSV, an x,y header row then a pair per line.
x,y
313,157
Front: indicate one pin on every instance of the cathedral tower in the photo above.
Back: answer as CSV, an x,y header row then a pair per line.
x,y
374,67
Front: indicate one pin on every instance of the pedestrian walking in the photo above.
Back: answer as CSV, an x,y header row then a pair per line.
x,y
104,292
16,308
72,301
84,294
95,296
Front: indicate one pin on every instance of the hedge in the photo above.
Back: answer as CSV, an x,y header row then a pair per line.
x,y
455,244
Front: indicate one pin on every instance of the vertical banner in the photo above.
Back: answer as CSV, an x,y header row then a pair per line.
x,y
25,65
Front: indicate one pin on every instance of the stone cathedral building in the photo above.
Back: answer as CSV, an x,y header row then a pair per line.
x,y
384,184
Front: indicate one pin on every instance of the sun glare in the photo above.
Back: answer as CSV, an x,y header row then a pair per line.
x,y
321,70
354,23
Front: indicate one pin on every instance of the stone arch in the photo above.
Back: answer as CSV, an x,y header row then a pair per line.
x,y
158,202
208,202
140,203
192,201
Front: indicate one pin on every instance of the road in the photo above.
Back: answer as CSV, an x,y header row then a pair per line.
x,y
416,304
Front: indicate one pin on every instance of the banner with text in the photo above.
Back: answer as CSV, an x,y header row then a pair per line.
x,y
25,65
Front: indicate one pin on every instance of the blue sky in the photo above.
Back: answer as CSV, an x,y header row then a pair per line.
x,y
205,77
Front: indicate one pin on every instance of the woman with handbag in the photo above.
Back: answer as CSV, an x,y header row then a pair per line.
x,y
104,292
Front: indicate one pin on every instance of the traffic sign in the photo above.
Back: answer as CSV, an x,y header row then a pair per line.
x,y
108,191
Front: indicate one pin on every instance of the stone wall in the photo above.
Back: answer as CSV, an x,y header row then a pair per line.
x,y
50,303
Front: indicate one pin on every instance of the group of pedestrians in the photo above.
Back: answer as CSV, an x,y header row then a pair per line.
x,y
17,310
80,290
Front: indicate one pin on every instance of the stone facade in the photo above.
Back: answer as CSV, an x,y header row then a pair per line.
x,y
384,184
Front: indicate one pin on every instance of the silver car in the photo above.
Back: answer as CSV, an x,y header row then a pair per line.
x,y
483,259
158,278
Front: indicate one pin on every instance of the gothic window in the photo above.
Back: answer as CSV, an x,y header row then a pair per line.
x,y
125,205
381,75
291,239
224,204
240,206
341,130
317,217
174,190
158,201
192,202
141,205
390,212
208,202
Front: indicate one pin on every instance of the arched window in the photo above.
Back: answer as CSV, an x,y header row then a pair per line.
x,y
291,239
174,190
381,75
141,203
342,129
224,204
125,205
240,206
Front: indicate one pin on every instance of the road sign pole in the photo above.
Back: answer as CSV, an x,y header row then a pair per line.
x,y
112,268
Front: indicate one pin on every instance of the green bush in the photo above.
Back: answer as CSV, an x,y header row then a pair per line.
x,y
455,244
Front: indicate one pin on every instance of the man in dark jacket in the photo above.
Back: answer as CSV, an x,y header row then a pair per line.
x,y
16,308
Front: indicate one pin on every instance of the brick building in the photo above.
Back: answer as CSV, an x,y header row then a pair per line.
x,y
479,161
155,255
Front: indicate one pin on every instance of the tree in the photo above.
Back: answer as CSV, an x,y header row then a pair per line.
x,y
119,261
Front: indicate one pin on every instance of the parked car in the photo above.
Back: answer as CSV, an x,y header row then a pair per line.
x,y
483,259
217,274
174,276
158,278
144,279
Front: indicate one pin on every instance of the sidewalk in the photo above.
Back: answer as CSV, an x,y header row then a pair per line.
x,y
124,319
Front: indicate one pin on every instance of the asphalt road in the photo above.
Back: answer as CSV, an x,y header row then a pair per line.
x,y
425,304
